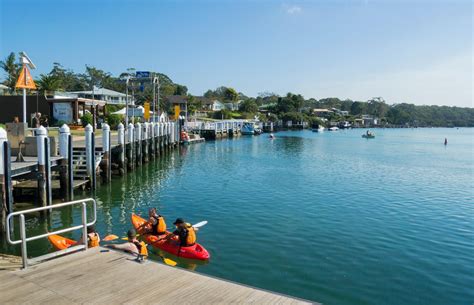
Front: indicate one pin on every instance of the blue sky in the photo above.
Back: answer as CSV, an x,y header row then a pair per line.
x,y
405,51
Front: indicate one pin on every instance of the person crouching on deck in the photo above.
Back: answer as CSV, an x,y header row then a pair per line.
x,y
133,245
185,233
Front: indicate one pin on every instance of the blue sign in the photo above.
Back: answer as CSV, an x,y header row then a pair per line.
x,y
142,74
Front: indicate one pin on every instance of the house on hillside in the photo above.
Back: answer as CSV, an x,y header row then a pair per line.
x,y
321,112
207,104
369,120
232,106
340,112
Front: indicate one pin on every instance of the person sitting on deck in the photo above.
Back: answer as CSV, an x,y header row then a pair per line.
x,y
133,245
157,222
185,233
93,238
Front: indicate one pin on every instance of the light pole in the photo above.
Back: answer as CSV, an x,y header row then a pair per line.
x,y
155,84
126,101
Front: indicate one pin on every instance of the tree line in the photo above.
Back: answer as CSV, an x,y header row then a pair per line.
x,y
267,105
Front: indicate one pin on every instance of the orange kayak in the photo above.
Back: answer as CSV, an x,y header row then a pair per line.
x,y
195,251
61,243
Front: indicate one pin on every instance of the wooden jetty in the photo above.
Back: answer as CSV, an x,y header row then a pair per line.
x,y
109,277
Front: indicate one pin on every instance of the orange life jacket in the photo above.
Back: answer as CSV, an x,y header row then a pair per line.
x,y
191,236
142,249
93,241
160,227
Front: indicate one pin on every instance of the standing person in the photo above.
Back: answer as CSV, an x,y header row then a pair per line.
x,y
133,245
185,233
445,141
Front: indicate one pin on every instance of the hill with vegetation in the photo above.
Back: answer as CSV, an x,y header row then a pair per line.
x,y
268,106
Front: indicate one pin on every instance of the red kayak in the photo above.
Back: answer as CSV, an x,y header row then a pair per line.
x,y
193,252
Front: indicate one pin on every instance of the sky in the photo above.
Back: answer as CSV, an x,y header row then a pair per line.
x,y
404,51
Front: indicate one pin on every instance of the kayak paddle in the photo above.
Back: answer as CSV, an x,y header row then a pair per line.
x,y
110,237
200,224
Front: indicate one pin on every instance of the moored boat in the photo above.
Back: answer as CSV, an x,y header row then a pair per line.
x,y
248,128
195,251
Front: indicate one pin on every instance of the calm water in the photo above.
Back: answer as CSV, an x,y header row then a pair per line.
x,y
329,217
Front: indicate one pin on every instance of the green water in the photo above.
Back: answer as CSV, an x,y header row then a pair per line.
x,y
329,217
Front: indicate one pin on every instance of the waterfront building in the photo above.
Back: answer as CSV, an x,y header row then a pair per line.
x,y
102,94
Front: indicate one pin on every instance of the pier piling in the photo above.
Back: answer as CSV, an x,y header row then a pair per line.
x,y
130,147
90,155
5,172
106,158
138,144
145,141
40,136
64,169
121,147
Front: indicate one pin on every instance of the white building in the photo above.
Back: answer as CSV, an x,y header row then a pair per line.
x,y
107,95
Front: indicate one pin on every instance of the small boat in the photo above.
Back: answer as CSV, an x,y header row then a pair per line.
x,y
60,243
333,129
248,129
195,251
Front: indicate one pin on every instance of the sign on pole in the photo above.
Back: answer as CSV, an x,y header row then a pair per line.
x,y
25,80
142,74
146,111
177,111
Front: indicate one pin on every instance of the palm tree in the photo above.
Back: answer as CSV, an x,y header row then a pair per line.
x,y
48,83
12,69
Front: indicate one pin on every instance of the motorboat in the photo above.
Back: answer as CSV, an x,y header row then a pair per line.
x,y
333,128
368,135
248,128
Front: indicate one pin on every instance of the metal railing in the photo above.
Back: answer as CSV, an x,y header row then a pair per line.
x,y
24,239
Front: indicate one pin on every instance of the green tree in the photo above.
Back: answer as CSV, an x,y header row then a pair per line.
x,y
249,106
231,94
11,69
48,83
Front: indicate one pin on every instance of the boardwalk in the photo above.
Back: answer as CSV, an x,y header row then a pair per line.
x,y
112,277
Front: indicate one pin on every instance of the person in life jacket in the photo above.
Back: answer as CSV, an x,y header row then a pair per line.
x,y
185,233
157,222
133,245
184,136
93,238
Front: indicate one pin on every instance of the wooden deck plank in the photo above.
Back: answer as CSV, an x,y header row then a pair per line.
x,y
113,277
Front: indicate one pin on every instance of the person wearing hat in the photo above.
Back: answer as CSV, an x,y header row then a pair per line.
x,y
133,245
185,233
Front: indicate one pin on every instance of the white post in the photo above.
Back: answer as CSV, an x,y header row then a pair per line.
x,y
105,137
130,133
24,106
172,132
145,130
89,160
121,134
138,132
138,139
3,139
64,133
121,143
130,147
41,134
